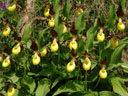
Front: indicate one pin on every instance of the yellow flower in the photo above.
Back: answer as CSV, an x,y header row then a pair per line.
x,y
36,59
54,46
73,44
6,30
12,6
79,11
100,36
71,66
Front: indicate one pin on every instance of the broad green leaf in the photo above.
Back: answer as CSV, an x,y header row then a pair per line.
x,y
59,30
2,81
19,23
13,78
91,33
27,33
102,17
3,92
116,55
123,4
93,76
56,5
41,33
106,93
111,17
43,87
118,86
57,21
41,37
55,82
81,46
30,83
80,22
124,41
18,93
70,86
84,93
106,54
66,9
1,14
123,65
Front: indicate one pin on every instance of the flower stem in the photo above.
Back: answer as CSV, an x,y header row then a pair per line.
x,y
86,81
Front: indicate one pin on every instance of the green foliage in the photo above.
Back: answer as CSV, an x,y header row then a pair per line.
x,y
90,35
79,24
43,87
50,77
67,8
118,86
116,55
111,18
27,33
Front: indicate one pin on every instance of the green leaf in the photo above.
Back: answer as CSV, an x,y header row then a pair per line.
x,y
123,4
118,86
81,45
18,93
116,55
90,35
2,82
106,93
111,18
1,14
30,83
57,21
83,93
56,5
106,54
123,65
19,23
27,33
102,17
41,37
13,78
80,22
59,30
66,9
93,76
55,82
70,86
43,87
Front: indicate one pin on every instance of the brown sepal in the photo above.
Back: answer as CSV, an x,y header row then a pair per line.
x,y
34,46
7,83
101,24
15,35
51,10
105,31
53,33
104,61
22,47
86,53
120,12
39,55
1,94
6,50
73,31
120,35
15,86
0,51
73,53
18,39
